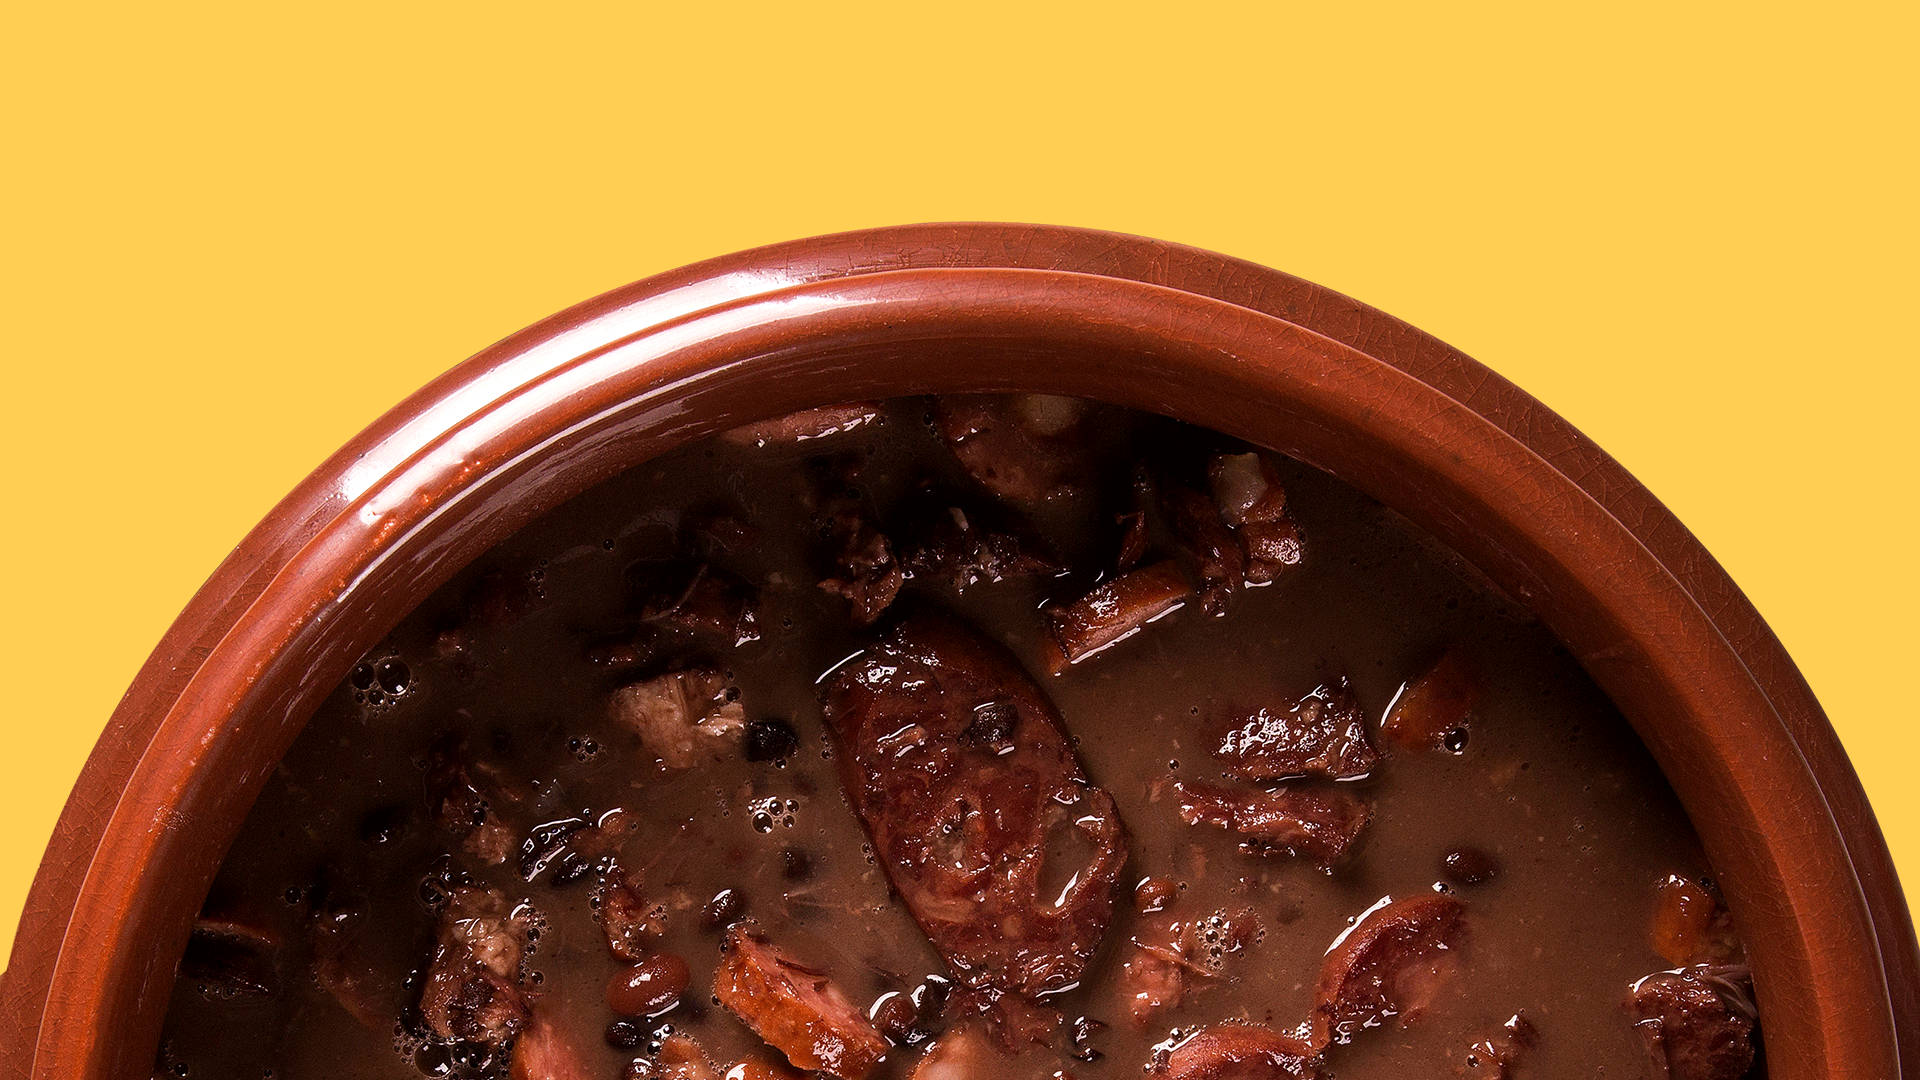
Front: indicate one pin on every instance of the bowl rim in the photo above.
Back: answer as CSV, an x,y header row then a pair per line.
x,y
626,375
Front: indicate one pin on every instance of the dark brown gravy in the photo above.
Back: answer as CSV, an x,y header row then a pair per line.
x,y
1560,828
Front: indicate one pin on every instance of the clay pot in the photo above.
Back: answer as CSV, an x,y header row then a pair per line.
x,y
1252,352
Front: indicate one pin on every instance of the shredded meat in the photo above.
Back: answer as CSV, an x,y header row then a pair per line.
x,y
1697,1022
1114,611
979,812
1239,1051
953,547
1432,706
543,1052
806,425
697,599
1388,964
683,717
631,924
1168,954
1322,734
1314,823
796,1009
1214,548
869,576
468,812
473,991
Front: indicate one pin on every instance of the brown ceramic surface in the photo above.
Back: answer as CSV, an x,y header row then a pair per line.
x,y
1249,351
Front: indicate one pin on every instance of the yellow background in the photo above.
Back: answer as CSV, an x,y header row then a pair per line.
x,y
237,233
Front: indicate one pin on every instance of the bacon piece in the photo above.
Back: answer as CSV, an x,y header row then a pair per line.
x,y
1023,448
805,426
1313,823
1239,1051
796,1009
473,991
683,717
1168,953
981,816
543,1052
1322,734
1690,926
1246,489
1433,706
1697,1022
1114,611
1388,964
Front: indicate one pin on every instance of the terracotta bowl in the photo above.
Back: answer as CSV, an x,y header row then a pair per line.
x,y
1252,352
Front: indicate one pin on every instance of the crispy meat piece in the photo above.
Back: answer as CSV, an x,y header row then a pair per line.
x,y
543,1052
1388,964
1499,1054
1239,1051
979,812
1022,447
1168,954
1691,927
698,599
683,717
1247,491
1322,734
473,991
1314,823
1430,707
1697,1022
805,426
796,1009
1114,611
869,576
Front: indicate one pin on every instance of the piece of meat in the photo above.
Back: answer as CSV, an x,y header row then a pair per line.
x,y
805,426
340,966
1433,707
1114,611
756,1069
1316,823
467,812
1498,1055
1022,447
1322,734
697,599
1239,1051
1215,550
970,1053
473,991
1168,954
1014,1022
1691,927
680,1058
631,924
796,1009
231,958
868,575
952,547
683,717
982,817
1697,1022
543,1052
1247,491
1389,964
